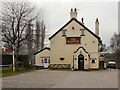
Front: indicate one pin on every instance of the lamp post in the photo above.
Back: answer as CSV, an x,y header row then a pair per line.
x,y
13,57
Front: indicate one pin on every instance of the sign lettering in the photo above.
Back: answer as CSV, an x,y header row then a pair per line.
x,y
72,40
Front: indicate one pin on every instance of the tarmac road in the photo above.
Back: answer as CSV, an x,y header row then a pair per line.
x,y
63,79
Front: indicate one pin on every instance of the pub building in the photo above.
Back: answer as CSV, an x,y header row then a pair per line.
x,y
73,47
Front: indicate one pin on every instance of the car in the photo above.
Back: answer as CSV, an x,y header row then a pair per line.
x,y
111,64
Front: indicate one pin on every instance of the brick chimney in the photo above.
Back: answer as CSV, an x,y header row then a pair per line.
x,y
73,13
97,27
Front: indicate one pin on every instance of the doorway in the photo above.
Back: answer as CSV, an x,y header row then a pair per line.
x,y
101,65
81,62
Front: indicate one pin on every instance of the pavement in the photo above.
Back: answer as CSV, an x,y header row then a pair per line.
x,y
63,79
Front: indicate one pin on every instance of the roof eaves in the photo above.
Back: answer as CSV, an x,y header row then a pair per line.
x,y
42,50
61,28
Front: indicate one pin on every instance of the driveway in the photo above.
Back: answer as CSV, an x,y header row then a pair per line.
x,y
63,79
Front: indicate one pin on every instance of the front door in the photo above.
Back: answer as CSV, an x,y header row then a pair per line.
x,y
101,64
80,62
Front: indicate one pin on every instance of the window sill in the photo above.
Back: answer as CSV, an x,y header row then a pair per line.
x,y
82,35
63,35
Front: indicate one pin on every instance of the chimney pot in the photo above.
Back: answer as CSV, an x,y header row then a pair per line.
x,y
73,13
97,27
75,9
82,20
96,19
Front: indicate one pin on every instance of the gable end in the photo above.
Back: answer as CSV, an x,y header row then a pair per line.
x,y
79,24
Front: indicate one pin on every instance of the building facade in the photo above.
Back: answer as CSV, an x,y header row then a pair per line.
x,y
73,46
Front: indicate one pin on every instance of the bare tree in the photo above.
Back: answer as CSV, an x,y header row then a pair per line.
x,y
15,17
115,48
29,39
42,35
39,35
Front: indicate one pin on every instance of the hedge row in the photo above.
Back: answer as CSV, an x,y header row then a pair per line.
x,y
8,59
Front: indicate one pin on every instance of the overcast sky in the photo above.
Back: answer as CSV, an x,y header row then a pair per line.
x,y
57,13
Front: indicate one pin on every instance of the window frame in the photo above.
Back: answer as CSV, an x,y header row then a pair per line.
x,y
42,59
45,60
48,60
64,32
82,32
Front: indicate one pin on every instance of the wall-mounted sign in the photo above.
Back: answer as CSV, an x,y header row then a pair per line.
x,y
101,47
72,40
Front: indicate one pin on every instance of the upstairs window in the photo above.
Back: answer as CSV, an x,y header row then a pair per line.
x,y
64,32
82,32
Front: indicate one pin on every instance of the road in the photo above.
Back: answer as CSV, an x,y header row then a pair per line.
x,y
63,79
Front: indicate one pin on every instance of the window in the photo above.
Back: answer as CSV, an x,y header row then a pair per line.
x,y
93,61
82,32
64,33
42,60
48,60
45,60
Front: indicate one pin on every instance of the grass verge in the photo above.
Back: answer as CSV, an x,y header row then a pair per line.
x,y
9,72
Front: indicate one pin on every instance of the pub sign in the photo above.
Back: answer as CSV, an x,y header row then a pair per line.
x,y
72,40
101,47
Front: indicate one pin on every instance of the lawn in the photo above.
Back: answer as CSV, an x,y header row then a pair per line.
x,y
8,71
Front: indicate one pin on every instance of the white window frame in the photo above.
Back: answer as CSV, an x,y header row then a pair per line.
x,y
82,32
42,60
64,32
45,60
48,60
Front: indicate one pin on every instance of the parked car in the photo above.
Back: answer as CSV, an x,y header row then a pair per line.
x,y
111,64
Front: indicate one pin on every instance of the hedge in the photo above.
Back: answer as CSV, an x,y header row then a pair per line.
x,y
7,59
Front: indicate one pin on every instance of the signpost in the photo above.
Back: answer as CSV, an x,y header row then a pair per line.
x,y
13,58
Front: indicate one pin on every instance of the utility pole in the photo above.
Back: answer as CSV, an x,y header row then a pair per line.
x,y
13,58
